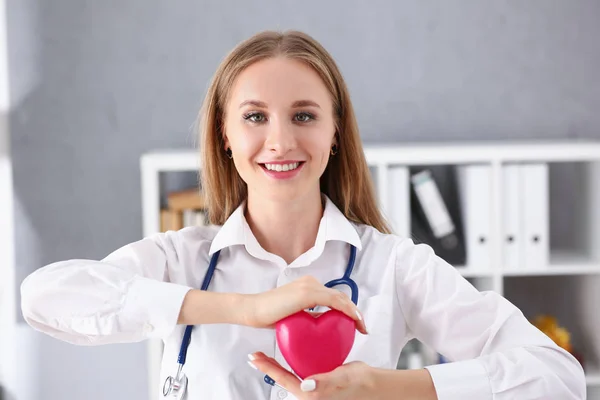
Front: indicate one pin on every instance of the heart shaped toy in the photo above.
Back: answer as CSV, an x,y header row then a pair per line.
x,y
315,344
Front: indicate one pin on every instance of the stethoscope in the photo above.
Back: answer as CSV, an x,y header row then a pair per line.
x,y
176,387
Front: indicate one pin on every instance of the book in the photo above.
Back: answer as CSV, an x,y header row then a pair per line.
x,y
186,199
184,208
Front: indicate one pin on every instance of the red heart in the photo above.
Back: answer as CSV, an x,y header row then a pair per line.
x,y
313,345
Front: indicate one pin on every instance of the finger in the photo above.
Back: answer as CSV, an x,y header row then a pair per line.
x,y
253,356
259,355
318,294
341,302
322,384
360,323
271,367
327,383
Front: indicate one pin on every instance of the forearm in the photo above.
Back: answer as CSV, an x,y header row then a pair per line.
x,y
402,384
205,307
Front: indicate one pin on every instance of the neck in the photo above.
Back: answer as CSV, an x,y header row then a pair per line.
x,y
299,220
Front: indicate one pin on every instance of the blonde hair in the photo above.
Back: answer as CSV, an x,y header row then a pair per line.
x,y
346,179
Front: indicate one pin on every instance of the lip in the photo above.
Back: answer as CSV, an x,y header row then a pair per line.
x,y
282,162
282,174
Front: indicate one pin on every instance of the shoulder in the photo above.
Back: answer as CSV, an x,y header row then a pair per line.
x,y
370,237
403,249
187,239
196,233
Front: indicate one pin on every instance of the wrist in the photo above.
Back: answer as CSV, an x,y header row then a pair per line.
x,y
202,307
370,382
186,313
242,309
414,384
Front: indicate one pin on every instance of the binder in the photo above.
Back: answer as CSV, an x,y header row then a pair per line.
x,y
475,188
535,218
435,212
399,200
511,217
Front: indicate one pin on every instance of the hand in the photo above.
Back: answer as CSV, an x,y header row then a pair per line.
x,y
265,309
349,381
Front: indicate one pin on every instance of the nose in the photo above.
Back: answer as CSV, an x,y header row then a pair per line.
x,y
280,137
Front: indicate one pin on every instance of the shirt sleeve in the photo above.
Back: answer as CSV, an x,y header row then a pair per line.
x,y
496,352
125,297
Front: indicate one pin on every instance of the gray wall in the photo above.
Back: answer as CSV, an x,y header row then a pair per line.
x,y
96,84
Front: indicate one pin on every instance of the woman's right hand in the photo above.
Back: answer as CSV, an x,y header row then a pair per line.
x,y
263,310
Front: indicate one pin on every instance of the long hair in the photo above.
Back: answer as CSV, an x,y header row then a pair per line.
x,y
346,179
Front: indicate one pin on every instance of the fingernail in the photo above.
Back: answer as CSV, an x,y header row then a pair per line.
x,y
360,318
308,385
251,357
252,365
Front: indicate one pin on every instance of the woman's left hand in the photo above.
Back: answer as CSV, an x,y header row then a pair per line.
x,y
349,381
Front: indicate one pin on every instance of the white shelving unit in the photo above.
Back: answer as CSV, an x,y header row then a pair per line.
x,y
569,286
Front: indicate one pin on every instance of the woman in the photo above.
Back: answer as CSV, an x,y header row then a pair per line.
x,y
289,193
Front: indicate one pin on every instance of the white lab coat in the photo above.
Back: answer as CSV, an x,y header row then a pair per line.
x,y
406,291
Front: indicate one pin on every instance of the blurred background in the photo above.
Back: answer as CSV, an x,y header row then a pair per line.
x,y
87,87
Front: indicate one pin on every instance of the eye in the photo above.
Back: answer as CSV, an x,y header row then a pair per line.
x,y
254,116
303,117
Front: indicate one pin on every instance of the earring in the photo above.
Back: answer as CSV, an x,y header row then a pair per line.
x,y
334,150
229,152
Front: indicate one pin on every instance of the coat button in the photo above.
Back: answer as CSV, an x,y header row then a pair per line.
x,y
282,394
288,272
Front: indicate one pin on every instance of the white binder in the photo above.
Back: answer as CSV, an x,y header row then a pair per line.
x,y
511,217
535,219
399,200
475,194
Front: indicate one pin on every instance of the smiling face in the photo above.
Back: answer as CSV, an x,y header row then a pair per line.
x,y
279,125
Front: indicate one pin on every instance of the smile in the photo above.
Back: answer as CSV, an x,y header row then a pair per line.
x,y
282,167
282,171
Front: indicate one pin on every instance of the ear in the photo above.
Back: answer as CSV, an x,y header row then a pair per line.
x,y
225,138
221,131
225,142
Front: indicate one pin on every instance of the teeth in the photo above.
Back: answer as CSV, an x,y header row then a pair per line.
x,y
282,167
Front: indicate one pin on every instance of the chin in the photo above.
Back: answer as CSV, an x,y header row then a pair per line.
x,y
284,193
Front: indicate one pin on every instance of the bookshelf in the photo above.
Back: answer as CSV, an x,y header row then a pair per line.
x,y
568,287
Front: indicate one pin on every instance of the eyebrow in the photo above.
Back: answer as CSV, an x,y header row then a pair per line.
x,y
254,103
296,104
305,103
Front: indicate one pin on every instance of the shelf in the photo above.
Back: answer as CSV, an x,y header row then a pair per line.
x,y
552,271
473,273
562,262
171,160
420,153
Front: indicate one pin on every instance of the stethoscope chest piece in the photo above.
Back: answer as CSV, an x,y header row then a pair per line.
x,y
175,388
